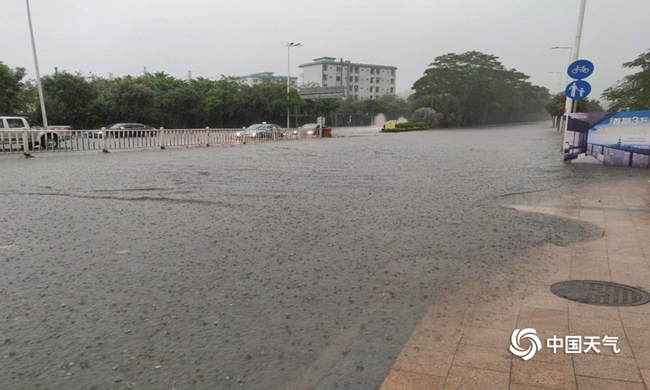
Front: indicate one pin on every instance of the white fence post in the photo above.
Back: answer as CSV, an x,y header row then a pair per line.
x,y
25,143
104,141
161,138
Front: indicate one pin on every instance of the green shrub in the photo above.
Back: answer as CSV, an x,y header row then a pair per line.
x,y
407,126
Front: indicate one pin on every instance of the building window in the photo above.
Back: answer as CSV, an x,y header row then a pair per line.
x,y
356,88
324,68
338,78
350,88
324,77
357,71
351,78
338,68
392,81
393,72
392,90
376,89
372,80
378,80
324,85
356,79
372,70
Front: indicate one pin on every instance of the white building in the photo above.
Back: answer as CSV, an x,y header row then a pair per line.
x,y
366,81
264,77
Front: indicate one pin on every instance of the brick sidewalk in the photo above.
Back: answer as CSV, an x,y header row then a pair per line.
x,y
463,341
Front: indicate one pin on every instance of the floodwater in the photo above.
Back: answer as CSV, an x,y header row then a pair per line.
x,y
293,264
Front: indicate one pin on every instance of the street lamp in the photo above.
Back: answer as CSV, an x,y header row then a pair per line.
x,y
570,56
38,75
289,46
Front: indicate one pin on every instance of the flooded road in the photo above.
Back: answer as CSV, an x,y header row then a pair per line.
x,y
301,265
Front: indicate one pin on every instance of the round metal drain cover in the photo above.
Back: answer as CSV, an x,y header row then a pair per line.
x,y
594,292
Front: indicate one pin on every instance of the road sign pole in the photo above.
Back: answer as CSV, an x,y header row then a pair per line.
x,y
576,54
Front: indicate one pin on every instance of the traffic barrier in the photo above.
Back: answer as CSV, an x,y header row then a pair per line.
x,y
55,141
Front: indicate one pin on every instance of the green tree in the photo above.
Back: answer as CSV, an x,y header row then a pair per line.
x,y
427,115
633,92
14,95
475,88
130,101
68,100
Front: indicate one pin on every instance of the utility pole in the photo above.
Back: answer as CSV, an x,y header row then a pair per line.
x,y
574,57
38,74
289,46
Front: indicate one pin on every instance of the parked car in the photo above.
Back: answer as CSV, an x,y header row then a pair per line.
x,y
310,129
261,131
119,130
13,127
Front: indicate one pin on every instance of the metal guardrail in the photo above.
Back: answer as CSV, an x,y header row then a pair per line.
x,y
31,141
611,155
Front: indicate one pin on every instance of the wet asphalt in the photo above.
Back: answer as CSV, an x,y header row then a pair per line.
x,y
291,264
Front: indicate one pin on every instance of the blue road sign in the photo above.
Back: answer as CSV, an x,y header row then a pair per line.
x,y
578,89
580,69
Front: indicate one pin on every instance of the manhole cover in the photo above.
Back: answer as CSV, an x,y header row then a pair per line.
x,y
593,292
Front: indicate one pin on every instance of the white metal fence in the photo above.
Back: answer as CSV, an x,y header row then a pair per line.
x,y
30,141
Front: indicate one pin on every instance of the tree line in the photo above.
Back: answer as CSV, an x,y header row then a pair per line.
x,y
467,89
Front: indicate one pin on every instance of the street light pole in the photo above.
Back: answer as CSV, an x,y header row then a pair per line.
x,y
570,57
289,46
575,53
38,75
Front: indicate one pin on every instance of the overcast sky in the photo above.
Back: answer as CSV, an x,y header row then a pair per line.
x,y
212,38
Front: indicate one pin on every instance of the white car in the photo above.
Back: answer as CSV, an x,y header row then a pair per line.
x,y
12,129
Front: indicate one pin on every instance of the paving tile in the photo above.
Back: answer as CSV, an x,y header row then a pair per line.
x,y
496,359
487,337
635,320
504,305
607,367
515,386
595,273
646,377
473,378
638,337
539,318
596,326
587,383
642,356
494,320
589,263
435,340
577,309
541,297
542,374
424,361
406,380
547,354
643,309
